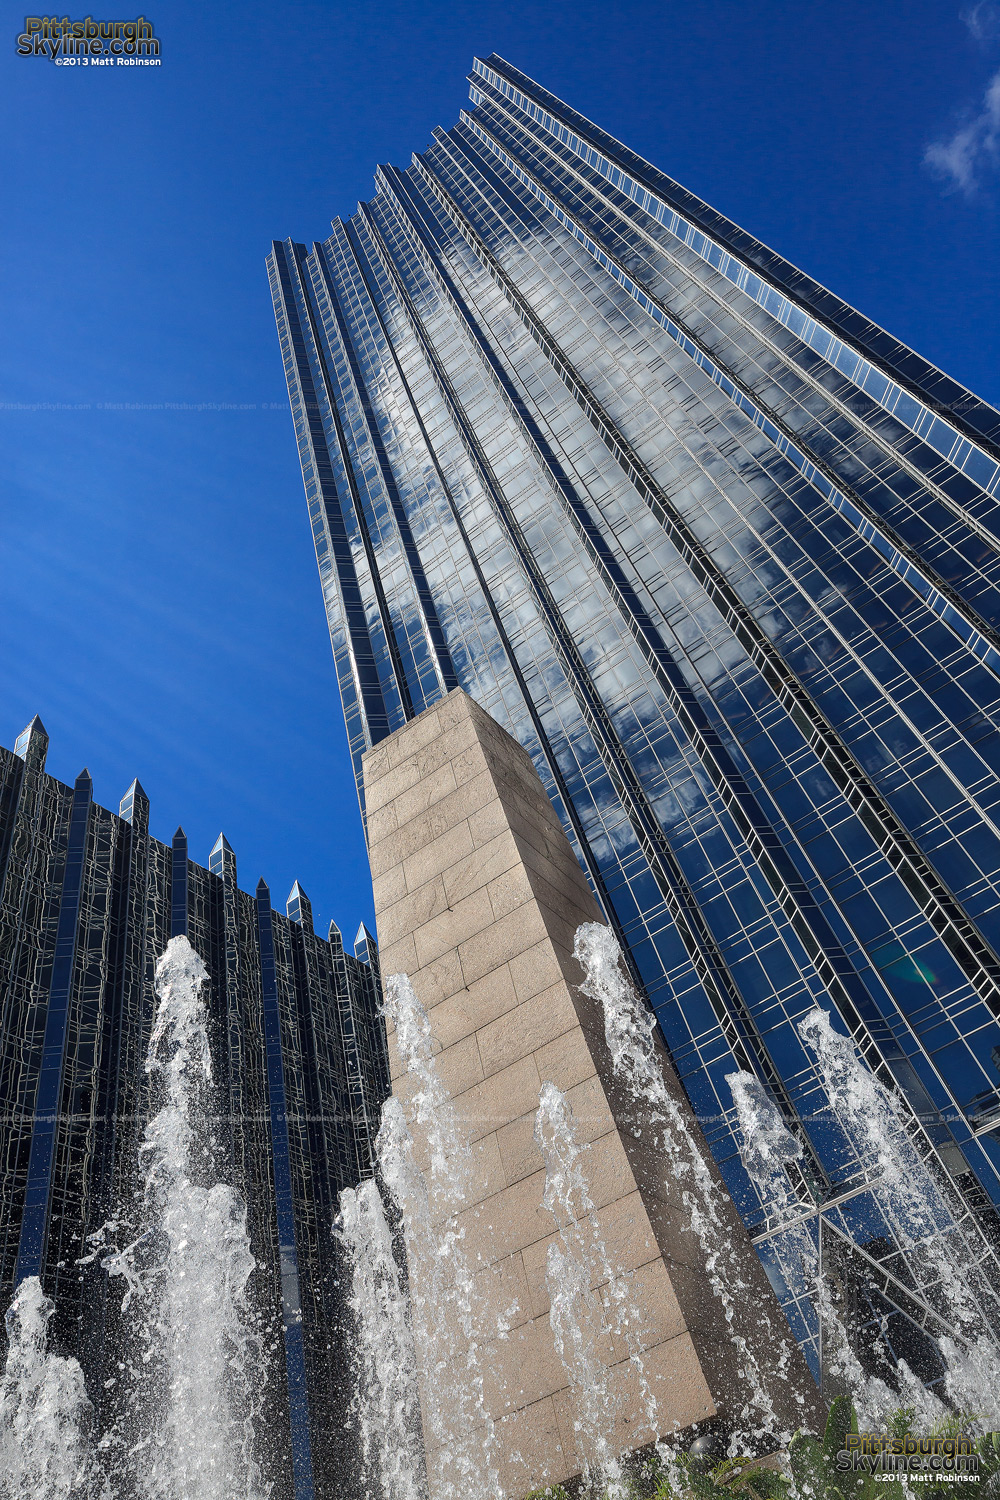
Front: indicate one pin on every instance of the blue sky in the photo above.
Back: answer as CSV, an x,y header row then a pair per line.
x,y
159,605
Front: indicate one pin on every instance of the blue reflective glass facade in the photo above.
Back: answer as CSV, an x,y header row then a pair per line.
x,y
725,558
88,901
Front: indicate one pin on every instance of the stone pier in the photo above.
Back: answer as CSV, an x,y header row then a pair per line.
x,y
478,897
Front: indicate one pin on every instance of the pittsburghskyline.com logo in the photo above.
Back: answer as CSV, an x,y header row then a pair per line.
x,y
90,43
934,1460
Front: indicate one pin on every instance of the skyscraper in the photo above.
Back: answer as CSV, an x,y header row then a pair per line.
x,y
88,901
724,557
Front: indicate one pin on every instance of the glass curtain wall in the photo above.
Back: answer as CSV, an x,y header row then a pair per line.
x,y
725,558
88,902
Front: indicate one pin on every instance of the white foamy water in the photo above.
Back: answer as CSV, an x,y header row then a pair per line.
x,y
947,1259
192,1364
194,1361
577,1265
385,1406
189,1433
45,1414
767,1146
450,1316
430,1104
628,1030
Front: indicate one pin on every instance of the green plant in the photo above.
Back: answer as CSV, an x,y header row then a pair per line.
x,y
813,1464
988,1449
813,1461
686,1478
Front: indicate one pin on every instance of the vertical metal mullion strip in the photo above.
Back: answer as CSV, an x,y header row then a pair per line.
x,y
373,712
392,644
900,556
307,991
971,950
433,633
108,1091
284,1204
38,1191
706,959
444,387
178,885
19,772
362,1136
794,897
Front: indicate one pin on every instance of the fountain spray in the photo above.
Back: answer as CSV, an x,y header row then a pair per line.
x,y
45,1414
196,1353
628,1030
386,1405
196,1369
576,1265
949,1261
766,1148
450,1316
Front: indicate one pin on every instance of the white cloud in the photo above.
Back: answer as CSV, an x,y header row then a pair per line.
x,y
975,146
983,20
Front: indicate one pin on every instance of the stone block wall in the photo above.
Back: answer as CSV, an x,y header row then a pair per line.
x,y
478,897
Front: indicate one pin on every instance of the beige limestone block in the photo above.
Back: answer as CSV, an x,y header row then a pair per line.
x,y
478,896
527,1027
531,1448
501,1097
